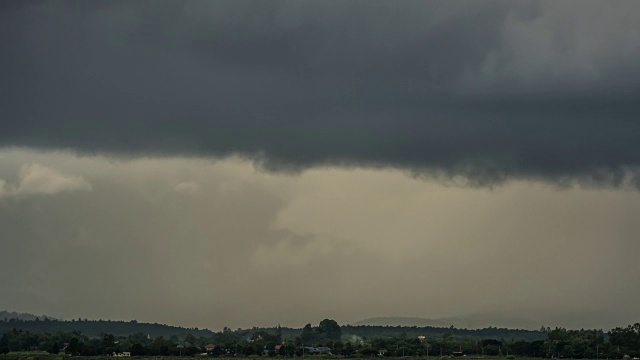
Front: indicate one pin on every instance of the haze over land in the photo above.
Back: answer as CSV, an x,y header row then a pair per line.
x,y
476,321
239,163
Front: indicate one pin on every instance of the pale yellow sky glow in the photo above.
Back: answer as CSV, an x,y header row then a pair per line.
x,y
206,243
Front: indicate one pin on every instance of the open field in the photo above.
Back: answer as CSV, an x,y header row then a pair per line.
x,y
46,356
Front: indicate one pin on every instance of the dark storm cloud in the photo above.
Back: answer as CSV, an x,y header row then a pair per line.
x,y
489,90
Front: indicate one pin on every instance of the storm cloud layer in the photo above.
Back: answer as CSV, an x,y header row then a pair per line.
x,y
478,92
248,163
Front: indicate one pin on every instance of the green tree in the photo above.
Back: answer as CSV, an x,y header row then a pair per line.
x,y
53,348
308,336
330,330
162,346
278,336
190,340
108,343
74,346
137,349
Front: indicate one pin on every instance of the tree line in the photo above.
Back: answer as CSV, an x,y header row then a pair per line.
x,y
271,342
93,328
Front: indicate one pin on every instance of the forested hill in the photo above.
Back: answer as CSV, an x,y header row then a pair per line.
x,y
20,316
403,321
93,328
430,332
367,332
96,328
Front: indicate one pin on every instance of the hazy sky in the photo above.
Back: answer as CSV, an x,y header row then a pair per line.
x,y
241,163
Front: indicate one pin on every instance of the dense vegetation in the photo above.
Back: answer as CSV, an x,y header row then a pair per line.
x,y
438,332
93,328
21,316
557,343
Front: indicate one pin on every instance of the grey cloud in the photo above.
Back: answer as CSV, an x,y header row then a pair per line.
x,y
147,249
38,179
135,248
251,248
487,91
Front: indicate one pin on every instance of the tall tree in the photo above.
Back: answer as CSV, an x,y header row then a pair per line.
x,y
308,336
330,330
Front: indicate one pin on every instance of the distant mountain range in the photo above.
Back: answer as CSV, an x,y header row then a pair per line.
x,y
22,316
381,327
43,324
478,321
402,321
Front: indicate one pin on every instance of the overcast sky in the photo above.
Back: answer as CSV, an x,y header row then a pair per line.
x,y
241,163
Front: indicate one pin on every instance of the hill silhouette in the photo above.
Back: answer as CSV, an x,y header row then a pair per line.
x,y
402,321
94,328
21,316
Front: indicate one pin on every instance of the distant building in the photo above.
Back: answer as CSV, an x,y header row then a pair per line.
x,y
122,354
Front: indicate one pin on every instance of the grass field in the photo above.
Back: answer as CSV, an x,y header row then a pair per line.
x,y
33,355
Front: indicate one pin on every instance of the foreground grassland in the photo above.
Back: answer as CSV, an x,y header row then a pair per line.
x,y
46,356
